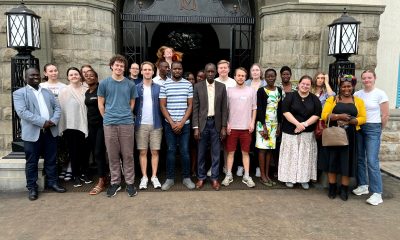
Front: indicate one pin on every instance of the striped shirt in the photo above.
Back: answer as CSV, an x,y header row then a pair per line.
x,y
177,94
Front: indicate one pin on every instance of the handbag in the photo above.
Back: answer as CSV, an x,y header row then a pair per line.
x,y
334,136
319,128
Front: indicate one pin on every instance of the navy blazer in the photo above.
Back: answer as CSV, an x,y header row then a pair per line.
x,y
27,108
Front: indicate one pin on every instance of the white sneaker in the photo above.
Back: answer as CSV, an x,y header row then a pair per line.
x,y
188,183
375,199
155,182
258,172
239,171
289,185
143,183
305,186
209,173
360,190
248,181
227,180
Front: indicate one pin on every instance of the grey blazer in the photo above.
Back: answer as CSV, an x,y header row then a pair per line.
x,y
200,105
27,108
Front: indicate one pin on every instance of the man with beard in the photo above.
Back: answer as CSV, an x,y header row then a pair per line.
x,y
176,97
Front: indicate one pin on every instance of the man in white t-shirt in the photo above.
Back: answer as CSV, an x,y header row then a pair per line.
x,y
148,124
223,71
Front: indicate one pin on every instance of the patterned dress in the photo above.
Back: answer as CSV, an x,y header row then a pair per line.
x,y
271,121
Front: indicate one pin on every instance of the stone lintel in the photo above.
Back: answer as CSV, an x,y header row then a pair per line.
x,y
320,8
99,4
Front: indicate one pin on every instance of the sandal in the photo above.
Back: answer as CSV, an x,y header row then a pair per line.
x,y
272,182
96,190
267,182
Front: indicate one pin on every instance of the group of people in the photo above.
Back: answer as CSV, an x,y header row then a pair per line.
x,y
252,111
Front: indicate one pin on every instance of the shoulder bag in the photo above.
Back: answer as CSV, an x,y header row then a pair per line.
x,y
334,136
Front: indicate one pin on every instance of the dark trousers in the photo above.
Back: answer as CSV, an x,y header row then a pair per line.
x,y
209,135
172,142
46,144
97,147
76,150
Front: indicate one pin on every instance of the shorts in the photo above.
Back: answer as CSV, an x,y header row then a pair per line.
x,y
145,134
244,138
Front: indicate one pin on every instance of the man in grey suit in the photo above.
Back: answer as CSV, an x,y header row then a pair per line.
x,y
39,112
209,123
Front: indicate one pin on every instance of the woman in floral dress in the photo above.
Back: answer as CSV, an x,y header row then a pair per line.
x,y
269,116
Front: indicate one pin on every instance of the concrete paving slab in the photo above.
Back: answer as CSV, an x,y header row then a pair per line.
x,y
392,168
240,214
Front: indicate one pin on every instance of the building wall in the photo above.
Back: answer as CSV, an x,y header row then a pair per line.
x,y
296,34
388,54
73,33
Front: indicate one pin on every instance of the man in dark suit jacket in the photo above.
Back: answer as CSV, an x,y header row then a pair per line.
x,y
39,112
209,123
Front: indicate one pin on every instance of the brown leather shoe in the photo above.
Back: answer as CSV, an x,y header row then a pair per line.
x,y
200,184
215,185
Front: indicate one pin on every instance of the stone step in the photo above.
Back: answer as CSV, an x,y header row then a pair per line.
x,y
12,174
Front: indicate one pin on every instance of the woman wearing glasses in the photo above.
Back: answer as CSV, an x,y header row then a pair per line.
x,y
348,112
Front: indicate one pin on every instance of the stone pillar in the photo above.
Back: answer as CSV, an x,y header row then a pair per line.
x,y
296,34
73,33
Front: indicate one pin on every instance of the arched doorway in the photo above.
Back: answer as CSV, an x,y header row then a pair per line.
x,y
205,31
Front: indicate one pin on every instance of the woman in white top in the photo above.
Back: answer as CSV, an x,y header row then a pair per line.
x,y
369,138
73,123
51,79
51,82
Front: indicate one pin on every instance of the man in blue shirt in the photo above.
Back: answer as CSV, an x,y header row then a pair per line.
x,y
116,99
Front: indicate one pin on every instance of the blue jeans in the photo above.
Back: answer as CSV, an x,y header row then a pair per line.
x,y
46,144
209,135
368,144
172,140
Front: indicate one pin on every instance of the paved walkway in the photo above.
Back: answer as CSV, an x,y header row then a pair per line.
x,y
240,214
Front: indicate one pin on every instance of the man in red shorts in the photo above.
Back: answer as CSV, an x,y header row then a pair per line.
x,y
242,106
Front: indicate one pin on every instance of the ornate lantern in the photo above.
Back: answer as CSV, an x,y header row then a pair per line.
x,y
23,28
342,42
343,35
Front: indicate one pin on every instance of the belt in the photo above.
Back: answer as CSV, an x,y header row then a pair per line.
x,y
210,118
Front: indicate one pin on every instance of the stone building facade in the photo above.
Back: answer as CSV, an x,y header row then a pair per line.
x,y
292,33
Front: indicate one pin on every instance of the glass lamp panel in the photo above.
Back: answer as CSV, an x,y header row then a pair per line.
x,y
29,31
36,32
331,41
348,38
17,30
338,40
